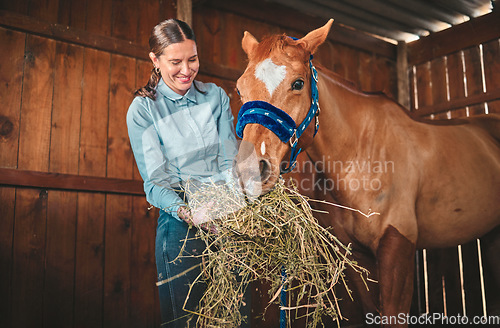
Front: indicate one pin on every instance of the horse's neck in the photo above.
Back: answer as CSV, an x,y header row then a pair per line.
x,y
349,119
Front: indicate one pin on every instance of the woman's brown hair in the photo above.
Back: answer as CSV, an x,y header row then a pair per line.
x,y
164,34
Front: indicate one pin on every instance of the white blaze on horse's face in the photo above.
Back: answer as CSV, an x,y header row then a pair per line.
x,y
263,148
271,74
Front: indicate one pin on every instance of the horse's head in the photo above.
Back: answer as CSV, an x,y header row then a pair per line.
x,y
277,92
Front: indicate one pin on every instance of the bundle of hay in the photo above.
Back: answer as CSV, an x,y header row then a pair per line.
x,y
275,234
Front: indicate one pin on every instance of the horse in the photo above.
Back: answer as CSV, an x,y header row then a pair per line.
x,y
434,186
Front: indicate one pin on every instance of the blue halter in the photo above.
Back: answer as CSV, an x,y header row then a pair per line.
x,y
279,122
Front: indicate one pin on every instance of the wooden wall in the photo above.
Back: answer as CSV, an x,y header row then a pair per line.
x,y
455,74
71,258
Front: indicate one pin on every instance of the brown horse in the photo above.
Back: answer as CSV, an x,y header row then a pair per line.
x,y
433,185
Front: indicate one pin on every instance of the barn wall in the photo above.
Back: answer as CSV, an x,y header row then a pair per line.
x,y
451,83
76,235
71,258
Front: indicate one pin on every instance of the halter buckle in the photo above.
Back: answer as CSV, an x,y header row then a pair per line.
x,y
293,139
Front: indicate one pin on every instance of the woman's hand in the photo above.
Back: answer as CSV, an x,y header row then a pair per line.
x,y
200,218
184,214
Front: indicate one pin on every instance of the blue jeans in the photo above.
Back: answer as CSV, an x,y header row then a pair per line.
x,y
170,238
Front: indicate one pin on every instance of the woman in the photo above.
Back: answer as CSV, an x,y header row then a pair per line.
x,y
180,129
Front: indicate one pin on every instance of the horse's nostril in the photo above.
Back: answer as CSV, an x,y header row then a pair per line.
x,y
265,170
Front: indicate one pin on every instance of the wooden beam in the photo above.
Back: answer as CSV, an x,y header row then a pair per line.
x,y
403,78
459,103
288,18
185,11
80,37
472,33
71,35
33,179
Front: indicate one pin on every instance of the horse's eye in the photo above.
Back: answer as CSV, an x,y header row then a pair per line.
x,y
238,92
298,84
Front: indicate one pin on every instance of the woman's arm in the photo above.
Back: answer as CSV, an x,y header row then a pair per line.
x,y
150,160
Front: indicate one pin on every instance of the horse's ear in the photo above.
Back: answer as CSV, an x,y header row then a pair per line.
x,y
315,38
248,43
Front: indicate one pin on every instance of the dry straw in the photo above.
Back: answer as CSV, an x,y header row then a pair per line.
x,y
257,241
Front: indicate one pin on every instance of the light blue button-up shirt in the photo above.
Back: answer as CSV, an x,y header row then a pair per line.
x,y
177,138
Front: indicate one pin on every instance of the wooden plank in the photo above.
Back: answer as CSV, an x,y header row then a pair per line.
x,y
418,300
122,80
148,18
143,303
124,20
28,257
435,266
259,10
118,208
35,179
476,101
365,72
402,74
345,62
455,75
72,35
11,73
89,253
438,80
45,10
472,280
89,287
117,261
20,7
61,218
185,11
34,136
472,33
491,58
472,59
167,10
59,278
94,117
228,48
66,109
98,18
72,13
209,29
490,246
385,77
423,86
451,282
494,106
89,277
7,201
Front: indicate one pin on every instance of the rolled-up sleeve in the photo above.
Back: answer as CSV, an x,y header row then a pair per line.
x,y
150,160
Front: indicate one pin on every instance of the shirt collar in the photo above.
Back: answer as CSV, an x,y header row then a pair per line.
x,y
165,90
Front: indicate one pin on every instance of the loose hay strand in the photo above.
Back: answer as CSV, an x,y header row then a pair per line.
x,y
254,241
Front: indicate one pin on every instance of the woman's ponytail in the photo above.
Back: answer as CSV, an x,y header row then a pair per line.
x,y
149,90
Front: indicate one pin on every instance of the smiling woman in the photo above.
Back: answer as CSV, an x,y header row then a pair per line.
x,y
180,130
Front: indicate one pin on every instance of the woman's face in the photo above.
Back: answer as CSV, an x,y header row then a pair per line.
x,y
178,64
